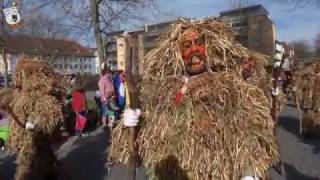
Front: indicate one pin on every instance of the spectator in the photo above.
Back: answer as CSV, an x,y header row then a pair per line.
x,y
119,84
79,107
70,116
4,129
106,90
98,102
112,110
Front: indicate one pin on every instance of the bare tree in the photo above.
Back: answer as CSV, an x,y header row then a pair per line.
x,y
103,16
3,45
41,25
85,18
81,18
302,48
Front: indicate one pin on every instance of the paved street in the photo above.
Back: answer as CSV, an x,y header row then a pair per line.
x,y
301,155
84,158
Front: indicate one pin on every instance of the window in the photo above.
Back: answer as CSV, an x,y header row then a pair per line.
x,y
60,66
55,66
76,66
84,66
71,67
89,66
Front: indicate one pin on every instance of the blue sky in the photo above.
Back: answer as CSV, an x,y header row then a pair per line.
x,y
292,23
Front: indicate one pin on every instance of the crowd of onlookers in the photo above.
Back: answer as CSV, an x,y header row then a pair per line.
x,y
110,99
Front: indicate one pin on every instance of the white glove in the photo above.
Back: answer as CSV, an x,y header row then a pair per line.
x,y
29,126
249,178
277,64
185,79
275,92
184,89
294,88
131,117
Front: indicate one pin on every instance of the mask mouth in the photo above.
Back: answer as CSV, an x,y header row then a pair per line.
x,y
195,59
196,63
246,74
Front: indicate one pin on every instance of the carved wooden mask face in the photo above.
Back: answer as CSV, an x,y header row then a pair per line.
x,y
247,67
193,52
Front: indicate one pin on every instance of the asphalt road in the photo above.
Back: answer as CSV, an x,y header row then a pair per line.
x,y
84,158
300,155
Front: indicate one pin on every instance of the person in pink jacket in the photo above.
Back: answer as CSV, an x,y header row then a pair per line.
x,y
106,90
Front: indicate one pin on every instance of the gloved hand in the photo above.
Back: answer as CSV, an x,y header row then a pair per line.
x,y
184,89
29,126
294,88
275,92
131,117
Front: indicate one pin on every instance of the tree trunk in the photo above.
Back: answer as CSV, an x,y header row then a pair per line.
x,y
97,31
3,47
5,63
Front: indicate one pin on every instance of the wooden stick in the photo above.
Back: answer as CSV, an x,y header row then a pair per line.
x,y
131,68
14,117
132,154
300,114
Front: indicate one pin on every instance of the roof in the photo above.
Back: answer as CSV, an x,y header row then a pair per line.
x,y
43,46
245,9
140,29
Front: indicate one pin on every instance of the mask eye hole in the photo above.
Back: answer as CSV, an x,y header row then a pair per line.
x,y
200,41
187,45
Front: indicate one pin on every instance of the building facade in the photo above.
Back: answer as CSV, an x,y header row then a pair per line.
x,y
252,27
146,37
66,57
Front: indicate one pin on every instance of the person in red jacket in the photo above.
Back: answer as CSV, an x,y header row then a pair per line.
x,y
79,107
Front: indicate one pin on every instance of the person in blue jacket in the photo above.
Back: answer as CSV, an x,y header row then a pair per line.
x,y
119,85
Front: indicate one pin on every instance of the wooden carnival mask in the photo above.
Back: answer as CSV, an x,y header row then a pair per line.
x,y
193,52
247,67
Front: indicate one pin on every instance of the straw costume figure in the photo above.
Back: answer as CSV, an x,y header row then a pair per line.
x,y
201,119
34,107
311,120
254,71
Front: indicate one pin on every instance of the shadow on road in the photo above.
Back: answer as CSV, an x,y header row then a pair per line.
x,y
87,161
291,124
7,167
294,174
169,169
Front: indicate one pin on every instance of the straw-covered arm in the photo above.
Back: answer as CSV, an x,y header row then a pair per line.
x,y
15,118
7,95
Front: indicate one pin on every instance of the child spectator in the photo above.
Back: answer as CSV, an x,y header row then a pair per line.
x,y
79,107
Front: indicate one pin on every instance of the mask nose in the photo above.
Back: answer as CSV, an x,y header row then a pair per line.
x,y
193,47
